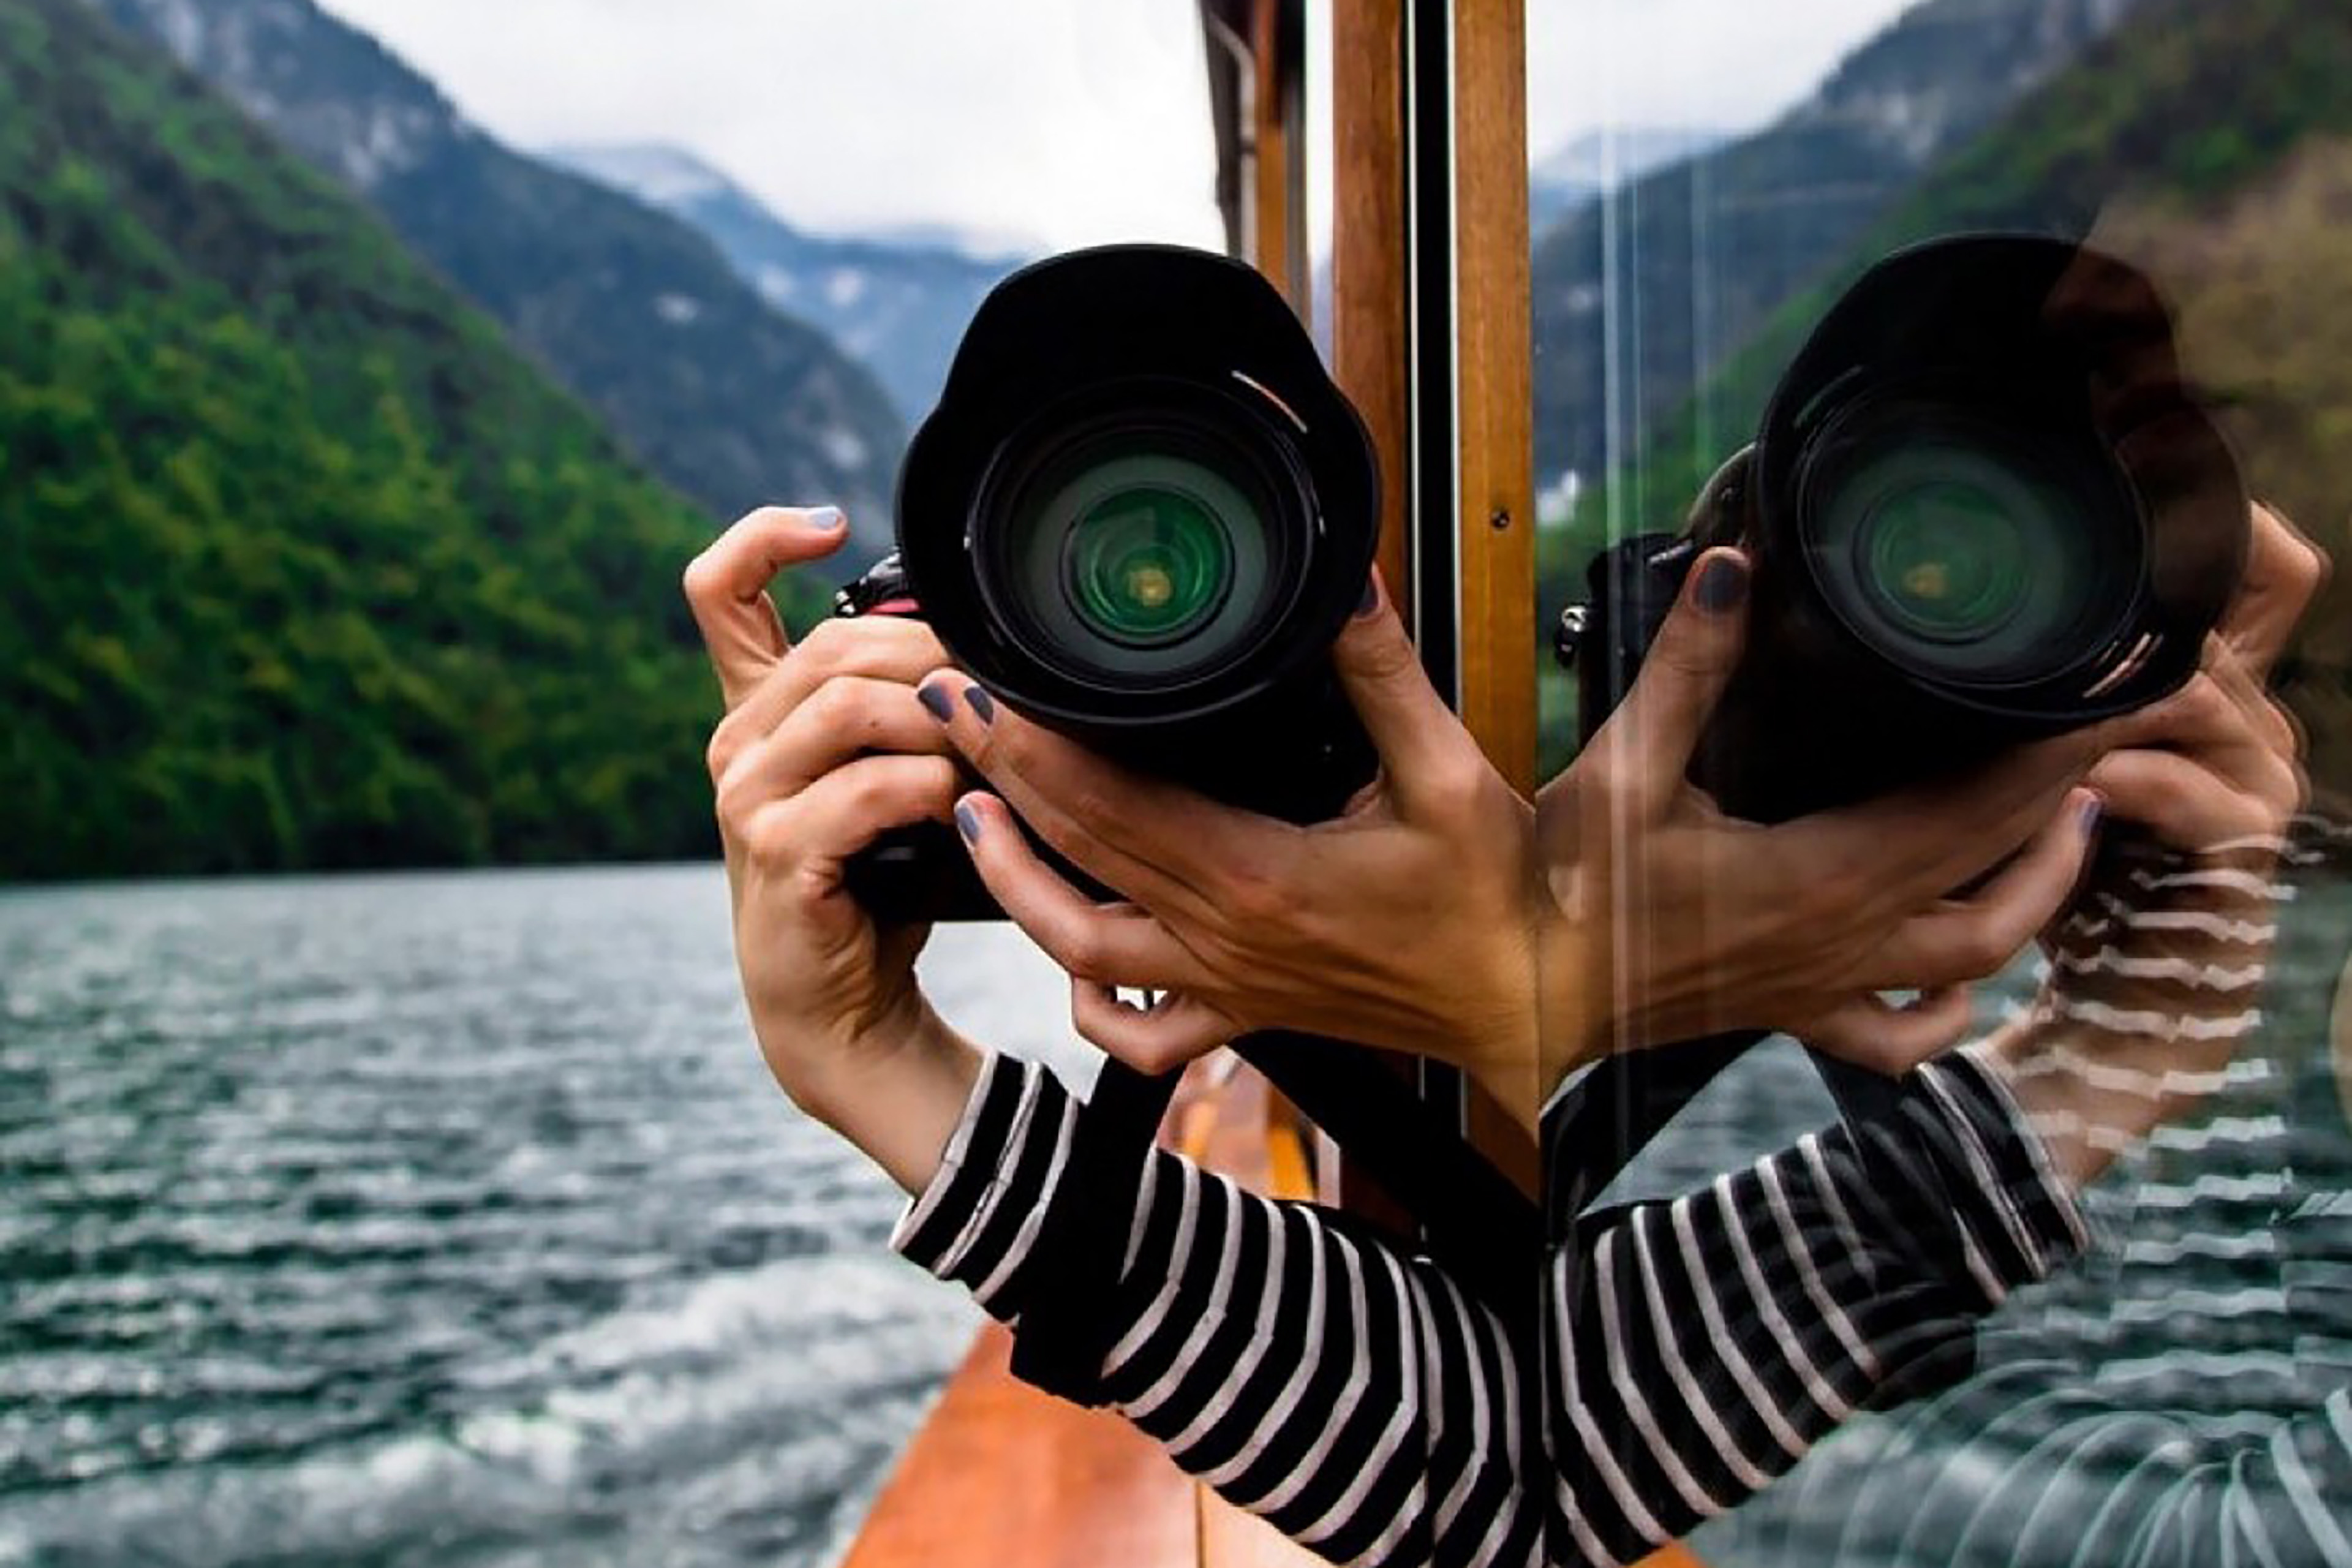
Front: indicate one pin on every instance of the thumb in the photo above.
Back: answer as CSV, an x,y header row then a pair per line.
x,y
1416,734
1657,727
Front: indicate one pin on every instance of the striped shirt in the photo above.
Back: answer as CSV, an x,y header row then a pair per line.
x,y
1316,1371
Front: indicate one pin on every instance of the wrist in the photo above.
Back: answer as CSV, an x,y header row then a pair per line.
x,y
896,1092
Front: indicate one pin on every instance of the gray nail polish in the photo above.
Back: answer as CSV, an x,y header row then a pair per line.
x,y
982,704
967,822
1722,584
824,519
935,701
2090,810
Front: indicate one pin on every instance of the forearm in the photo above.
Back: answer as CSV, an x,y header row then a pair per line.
x,y
1288,1357
2153,983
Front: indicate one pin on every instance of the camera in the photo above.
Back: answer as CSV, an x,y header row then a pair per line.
x,y
1140,515
1982,508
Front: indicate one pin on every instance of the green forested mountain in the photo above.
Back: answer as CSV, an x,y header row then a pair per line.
x,y
2210,141
727,400
303,566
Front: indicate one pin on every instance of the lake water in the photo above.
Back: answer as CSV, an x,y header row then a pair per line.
x,y
439,1220
452,1220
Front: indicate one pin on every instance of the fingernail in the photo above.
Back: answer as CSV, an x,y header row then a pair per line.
x,y
967,822
983,706
824,519
2089,812
1722,584
1371,599
935,701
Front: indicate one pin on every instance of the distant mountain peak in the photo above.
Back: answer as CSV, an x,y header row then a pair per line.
x,y
1598,162
1609,154
656,172
732,400
898,298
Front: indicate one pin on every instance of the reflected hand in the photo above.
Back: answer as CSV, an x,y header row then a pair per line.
x,y
824,747
2155,972
1674,920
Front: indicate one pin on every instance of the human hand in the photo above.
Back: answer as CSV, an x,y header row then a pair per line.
x,y
824,747
1672,921
1404,922
2155,972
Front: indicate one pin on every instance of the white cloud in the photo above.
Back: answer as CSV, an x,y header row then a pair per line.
x,y
1066,121
1719,64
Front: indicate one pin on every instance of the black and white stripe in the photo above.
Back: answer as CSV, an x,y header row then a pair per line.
x,y
1316,1371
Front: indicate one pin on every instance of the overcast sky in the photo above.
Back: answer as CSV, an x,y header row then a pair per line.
x,y
1059,122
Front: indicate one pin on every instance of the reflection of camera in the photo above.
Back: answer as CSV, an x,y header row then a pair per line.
x,y
1981,509
1140,515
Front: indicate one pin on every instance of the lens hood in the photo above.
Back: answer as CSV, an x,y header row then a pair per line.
x,y
1143,340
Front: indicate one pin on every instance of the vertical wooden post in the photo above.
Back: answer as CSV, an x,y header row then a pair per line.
x,y
1493,400
1494,390
1368,242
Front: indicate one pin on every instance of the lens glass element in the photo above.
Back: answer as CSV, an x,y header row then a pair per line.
x,y
1947,559
1135,551
1966,550
1148,564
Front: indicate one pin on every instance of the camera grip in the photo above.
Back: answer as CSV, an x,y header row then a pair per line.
x,y
915,875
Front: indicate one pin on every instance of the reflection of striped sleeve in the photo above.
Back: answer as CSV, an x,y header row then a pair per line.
x,y
1315,1373
1699,1347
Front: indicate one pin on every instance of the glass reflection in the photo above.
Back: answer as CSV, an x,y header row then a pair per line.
x,y
2182,1391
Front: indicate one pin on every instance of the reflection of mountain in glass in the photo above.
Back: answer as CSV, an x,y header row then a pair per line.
x,y
1707,248
898,302
1600,160
732,403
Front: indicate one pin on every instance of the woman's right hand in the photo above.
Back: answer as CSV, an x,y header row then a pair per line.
x,y
823,749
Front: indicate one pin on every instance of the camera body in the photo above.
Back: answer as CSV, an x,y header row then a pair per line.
x,y
1981,509
1139,516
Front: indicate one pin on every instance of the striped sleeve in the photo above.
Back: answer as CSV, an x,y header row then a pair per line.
x,y
1698,1347
1316,1374
1296,1361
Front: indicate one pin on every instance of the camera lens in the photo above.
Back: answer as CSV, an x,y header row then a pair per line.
x,y
1965,550
1140,548
1148,564
1946,560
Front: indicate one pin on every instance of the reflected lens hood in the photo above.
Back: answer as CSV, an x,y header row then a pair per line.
x,y
2072,344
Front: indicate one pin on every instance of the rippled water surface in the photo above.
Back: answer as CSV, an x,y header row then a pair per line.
x,y
452,1220
437,1219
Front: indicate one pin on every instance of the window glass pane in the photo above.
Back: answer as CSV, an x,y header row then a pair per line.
x,y
2003,470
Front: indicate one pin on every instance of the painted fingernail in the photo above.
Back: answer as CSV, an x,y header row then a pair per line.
x,y
824,519
2089,812
1722,584
967,822
983,706
936,702
1371,599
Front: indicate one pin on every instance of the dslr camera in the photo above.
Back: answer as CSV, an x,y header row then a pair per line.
x,y
1140,515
